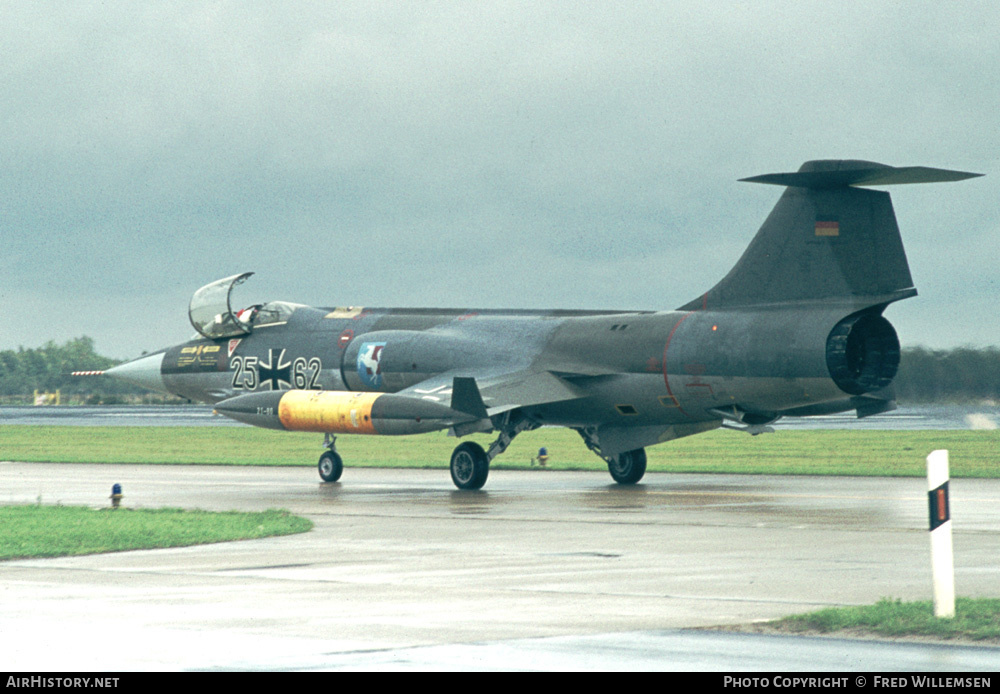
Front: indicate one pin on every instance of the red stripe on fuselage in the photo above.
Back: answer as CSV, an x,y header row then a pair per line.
x,y
666,378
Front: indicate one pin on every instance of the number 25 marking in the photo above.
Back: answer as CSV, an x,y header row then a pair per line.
x,y
245,373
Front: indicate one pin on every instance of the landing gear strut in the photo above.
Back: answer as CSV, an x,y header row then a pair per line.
x,y
625,468
331,465
470,464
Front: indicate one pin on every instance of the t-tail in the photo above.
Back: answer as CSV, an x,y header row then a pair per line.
x,y
827,240
809,292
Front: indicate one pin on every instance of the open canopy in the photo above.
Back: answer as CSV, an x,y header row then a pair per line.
x,y
210,310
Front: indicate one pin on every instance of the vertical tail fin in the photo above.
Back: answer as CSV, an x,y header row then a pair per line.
x,y
826,240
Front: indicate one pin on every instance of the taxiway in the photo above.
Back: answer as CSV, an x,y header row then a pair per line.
x,y
543,570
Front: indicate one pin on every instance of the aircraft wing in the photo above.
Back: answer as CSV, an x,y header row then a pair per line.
x,y
525,389
489,393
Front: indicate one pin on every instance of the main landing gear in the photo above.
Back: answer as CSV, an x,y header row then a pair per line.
x,y
470,464
625,468
628,467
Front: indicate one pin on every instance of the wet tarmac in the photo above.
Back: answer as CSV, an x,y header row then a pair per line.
x,y
544,571
115,415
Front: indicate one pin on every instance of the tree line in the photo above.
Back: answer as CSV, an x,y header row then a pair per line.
x,y
48,369
925,375
948,375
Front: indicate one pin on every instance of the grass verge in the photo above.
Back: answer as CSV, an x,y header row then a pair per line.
x,y
975,620
53,531
834,452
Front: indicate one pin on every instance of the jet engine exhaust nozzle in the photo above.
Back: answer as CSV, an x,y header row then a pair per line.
x,y
862,353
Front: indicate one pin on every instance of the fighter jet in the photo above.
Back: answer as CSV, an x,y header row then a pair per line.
x,y
794,329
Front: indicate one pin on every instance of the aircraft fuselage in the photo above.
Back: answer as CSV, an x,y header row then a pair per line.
x,y
637,368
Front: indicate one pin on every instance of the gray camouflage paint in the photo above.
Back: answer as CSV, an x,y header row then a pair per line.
x,y
794,328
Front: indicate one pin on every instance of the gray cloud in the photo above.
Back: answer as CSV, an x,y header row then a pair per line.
x,y
492,154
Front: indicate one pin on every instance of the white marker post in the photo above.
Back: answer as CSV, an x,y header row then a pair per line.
x,y
942,555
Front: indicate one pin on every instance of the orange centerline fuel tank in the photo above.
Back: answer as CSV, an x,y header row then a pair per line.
x,y
341,412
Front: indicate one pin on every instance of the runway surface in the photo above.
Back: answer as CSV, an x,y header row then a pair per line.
x,y
542,570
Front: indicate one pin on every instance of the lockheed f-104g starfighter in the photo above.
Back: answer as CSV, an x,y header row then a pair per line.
x,y
794,329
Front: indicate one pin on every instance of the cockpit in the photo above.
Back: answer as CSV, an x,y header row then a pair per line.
x,y
212,315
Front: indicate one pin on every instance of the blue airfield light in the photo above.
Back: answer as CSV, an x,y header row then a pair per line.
x,y
116,495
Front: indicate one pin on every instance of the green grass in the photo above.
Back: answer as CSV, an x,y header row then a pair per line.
x,y
975,620
53,531
834,452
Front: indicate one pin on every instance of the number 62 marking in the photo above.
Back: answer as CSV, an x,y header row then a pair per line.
x,y
300,369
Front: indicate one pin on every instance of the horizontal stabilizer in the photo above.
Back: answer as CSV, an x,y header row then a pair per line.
x,y
819,175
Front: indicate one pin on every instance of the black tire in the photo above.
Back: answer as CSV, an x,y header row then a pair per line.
x,y
469,466
331,466
628,468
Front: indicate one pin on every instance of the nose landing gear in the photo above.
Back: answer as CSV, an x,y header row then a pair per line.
x,y
331,465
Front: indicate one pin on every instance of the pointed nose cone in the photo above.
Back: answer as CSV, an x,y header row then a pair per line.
x,y
144,371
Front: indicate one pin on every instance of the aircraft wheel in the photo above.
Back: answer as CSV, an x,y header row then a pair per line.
x,y
628,468
469,466
331,466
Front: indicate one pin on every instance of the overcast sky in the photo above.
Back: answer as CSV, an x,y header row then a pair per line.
x,y
470,154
